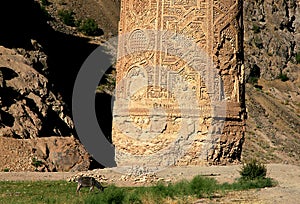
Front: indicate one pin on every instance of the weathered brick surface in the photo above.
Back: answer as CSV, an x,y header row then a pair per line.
x,y
180,83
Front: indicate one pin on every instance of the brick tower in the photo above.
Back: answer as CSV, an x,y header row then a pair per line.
x,y
180,83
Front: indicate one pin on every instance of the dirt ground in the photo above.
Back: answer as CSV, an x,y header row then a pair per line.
x,y
287,176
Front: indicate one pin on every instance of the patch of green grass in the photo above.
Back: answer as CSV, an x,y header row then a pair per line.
x,y
37,192
251,184
51,192
203,187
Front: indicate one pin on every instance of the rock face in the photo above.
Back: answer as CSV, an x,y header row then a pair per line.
x,y
43,154
180,83
271,38
28,108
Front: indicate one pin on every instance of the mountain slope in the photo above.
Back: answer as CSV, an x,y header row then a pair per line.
x,y
272,43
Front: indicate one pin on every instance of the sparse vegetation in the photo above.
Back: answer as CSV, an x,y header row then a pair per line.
x,y
67,17
89,27
298,58
64,192
86,26
256,28
62,2
36,163
45,2
253,80
253,170
283,77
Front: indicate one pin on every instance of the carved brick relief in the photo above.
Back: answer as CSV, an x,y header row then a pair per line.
x,y
179,83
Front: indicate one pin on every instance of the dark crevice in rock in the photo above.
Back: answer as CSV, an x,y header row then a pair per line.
x,y
9,96
55,126
47,152
6,119
8,73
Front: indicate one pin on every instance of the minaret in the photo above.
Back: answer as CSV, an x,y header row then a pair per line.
x,y
180,83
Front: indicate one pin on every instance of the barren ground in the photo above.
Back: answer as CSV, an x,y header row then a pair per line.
x,y
287,176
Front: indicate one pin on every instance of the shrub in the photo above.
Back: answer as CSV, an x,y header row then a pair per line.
x,y
78,23
258,87
255,28
283,77
298,58
89,27
36,163
161,190
253,170
45,2
6,170
67,17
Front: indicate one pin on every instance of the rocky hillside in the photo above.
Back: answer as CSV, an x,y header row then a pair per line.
x,y
29,108
272,37
38,66
40,56
272,61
